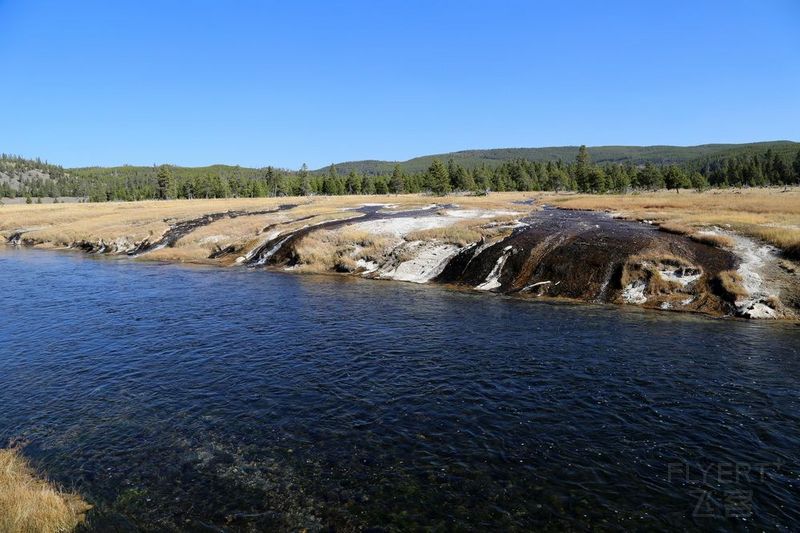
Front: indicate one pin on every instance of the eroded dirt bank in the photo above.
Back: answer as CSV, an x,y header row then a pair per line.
x,y
514,247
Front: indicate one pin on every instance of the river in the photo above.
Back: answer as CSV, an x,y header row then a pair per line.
x,y
230,399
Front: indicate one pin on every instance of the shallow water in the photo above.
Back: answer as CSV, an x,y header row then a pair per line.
x,y
191,398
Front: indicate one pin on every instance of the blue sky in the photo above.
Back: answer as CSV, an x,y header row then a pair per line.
x,y
283,83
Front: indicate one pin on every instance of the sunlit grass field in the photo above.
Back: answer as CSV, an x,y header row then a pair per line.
x,y
772,215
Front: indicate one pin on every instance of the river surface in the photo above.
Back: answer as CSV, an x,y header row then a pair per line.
x,y
229,399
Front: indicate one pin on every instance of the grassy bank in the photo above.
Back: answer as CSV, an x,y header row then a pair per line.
x,y
59,225
772,215
30,504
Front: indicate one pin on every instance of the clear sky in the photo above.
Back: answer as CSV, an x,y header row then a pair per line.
x,y
285,82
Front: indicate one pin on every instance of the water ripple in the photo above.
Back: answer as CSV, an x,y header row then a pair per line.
x,y
182,398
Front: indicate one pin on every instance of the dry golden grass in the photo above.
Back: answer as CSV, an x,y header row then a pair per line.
x,y
245,227
768,214
459,234
719,241
647,273
242,232
645,267
32,505
327,250
198,245
464,232
677,229
61,224
772,215
787,239
753,205
657,257
731,283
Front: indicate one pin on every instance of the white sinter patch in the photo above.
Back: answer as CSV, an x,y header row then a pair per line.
x,y
537,284
753,258
212,239
493,279
273,250
634,292
429,260
401,226
390,208
368,266
682,275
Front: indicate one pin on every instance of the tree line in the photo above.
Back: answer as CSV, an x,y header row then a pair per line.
x,y
582,175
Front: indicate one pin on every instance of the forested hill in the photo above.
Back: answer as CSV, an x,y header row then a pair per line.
x,y
20,175
596,169
694,156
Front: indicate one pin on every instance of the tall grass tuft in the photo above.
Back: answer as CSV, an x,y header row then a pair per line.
x,y
29,504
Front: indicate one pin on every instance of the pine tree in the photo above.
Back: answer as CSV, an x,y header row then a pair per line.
x,y
271,179
381,187
698,181
767,166
558,178
618,179
780,170
675,178
164,182
438,178
796,168
329,182
305,183
597,180
353,183
397,183
649,177
582,162
460,179
368,186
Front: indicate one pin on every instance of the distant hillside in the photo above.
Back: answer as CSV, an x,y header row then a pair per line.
x,y
18,175
637,155
131,171
754,164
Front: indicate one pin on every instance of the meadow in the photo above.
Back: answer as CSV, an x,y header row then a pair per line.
x,y
768,214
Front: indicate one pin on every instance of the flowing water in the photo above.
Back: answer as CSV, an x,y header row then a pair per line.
x,y
232,399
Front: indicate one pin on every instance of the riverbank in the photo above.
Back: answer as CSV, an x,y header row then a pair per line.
x,y
30,503
715,252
